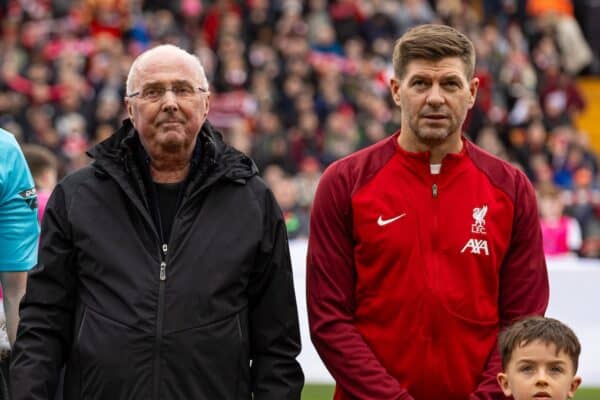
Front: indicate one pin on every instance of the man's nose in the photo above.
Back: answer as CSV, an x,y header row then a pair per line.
x,y
169,101
435,96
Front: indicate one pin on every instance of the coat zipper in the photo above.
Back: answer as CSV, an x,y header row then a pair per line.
x,y
435,245
162,276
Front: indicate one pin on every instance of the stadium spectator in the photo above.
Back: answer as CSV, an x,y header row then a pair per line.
x,y
296,218
560,98
410,13
419,234
539,360
164,269
556,16
583,203
43,165
561,233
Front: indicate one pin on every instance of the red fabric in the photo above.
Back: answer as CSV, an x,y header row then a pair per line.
x,y
563,85
212,20
411,309
25,86
346,10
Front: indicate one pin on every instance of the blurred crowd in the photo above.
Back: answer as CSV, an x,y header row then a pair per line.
x,y
297,84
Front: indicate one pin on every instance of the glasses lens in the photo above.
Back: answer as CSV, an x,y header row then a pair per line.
x,y
183,90
153,93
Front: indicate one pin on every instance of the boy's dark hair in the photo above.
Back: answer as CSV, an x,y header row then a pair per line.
x,y
432,43
547,330
39,159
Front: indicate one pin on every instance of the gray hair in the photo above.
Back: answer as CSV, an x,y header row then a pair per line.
x,y
165,47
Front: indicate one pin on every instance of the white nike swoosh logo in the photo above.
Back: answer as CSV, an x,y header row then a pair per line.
x,y
382,222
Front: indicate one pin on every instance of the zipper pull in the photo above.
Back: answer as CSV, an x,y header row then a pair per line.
x,y
164,249
163,271
434,190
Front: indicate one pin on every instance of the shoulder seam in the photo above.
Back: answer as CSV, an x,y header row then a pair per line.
x,y
475,154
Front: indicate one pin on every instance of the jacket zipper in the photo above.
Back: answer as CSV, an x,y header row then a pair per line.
x,y
162,276
435,245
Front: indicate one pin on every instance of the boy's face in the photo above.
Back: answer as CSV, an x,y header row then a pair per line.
x,y
535,371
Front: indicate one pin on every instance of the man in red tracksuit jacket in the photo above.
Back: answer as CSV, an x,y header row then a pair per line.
x,y
423,247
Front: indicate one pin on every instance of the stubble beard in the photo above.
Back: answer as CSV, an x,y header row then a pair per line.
x,y
432,135
428,134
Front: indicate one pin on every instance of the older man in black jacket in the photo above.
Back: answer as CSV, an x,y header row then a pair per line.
x,y
164,271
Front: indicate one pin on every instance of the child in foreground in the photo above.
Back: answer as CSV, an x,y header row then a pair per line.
x,y
539,360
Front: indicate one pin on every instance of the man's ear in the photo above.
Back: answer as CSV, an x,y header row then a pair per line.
x,y
206,105
395,90
503,382
473,86
574,385
128,106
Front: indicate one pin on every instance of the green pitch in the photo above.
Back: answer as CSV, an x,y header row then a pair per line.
x,y
325,392
588,394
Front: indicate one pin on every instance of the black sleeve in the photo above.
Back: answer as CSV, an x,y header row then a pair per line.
x,y
46,311
274,329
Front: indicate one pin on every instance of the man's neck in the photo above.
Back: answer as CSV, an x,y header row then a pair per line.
x,y
438,149
169,172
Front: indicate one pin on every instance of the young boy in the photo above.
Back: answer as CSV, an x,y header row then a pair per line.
x,y
44,166
539,360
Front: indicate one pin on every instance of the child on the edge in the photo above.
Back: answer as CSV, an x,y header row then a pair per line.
x,y
539,360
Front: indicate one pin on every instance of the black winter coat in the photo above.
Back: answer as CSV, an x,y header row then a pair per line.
x,y
212,316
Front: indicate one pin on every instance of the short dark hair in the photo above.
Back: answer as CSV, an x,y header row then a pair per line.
x,y
547,330
39,159
433,42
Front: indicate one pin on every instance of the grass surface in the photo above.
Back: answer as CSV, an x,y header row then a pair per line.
x,y
325,392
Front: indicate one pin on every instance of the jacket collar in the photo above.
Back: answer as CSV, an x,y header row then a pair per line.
x,y
212,157
420,161
121,157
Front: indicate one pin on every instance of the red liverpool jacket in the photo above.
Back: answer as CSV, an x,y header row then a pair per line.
x,y
412,275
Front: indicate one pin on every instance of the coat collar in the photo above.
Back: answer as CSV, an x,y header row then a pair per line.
x,y
212,157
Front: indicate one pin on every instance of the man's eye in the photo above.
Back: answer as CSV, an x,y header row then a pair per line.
x,y
419,83
184,90
451,84
556,369
152,92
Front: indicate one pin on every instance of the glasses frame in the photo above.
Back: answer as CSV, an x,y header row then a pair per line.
x,y
139,92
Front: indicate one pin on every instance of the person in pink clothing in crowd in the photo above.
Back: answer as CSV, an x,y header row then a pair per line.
x,y
44,168
561,233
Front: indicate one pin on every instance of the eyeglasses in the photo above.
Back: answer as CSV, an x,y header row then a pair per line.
x,y
157,92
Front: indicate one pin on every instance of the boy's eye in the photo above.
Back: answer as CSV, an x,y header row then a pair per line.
x,y
557,369
526,368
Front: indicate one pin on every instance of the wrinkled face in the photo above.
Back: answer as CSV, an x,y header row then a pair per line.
x,y
169,124
434,97
536,371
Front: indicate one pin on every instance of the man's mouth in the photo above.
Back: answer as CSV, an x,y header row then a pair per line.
x,y
435,116
170,122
